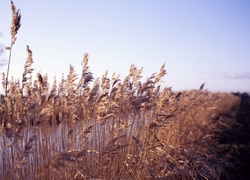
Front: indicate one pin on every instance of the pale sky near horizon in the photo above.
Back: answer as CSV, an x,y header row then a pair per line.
x,y
199,41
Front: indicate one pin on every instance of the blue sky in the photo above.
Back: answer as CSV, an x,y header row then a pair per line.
x,y
199,41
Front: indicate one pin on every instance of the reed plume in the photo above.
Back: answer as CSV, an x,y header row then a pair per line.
x,y
15,26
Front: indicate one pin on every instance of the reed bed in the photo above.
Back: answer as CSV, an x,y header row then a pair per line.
x,y
110,128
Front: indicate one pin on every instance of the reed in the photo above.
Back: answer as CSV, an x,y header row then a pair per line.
x,y
15,26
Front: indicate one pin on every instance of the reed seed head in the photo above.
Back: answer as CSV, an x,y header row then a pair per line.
x,y
16,22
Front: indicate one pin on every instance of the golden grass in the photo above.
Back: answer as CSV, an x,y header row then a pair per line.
x,y
109,129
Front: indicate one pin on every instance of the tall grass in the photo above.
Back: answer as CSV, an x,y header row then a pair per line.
x,y
112,128
15,26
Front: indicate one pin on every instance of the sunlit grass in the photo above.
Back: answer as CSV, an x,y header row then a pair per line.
x,y
113,128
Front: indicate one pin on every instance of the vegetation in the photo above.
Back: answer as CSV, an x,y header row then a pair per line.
x,y
234,140
109,128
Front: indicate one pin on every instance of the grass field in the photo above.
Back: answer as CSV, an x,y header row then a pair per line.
x,y
113,128
119,129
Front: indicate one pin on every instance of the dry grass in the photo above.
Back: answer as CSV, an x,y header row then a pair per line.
x,y
111,128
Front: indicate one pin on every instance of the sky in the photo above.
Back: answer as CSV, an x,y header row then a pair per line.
x,y
199,41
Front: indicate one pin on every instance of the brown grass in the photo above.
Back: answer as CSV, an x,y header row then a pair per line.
x,y
109,129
